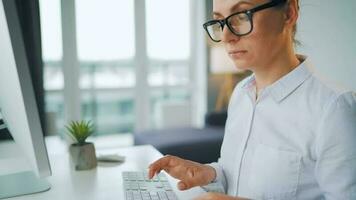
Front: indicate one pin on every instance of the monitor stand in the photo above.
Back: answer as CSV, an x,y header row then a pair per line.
x,y
21,183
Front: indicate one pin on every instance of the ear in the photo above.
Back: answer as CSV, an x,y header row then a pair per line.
x,y
292,13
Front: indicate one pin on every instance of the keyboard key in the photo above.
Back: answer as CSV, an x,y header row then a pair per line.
x,y
139,187
162,195
136,195
154,195
155,179
162,177
171,195
129,195
145,195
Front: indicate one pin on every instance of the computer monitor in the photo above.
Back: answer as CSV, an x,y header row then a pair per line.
x,y
20,113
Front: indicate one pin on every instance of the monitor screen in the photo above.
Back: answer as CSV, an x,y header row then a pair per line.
x,y
18,105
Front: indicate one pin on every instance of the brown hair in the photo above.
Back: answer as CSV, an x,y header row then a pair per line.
x,y
294,30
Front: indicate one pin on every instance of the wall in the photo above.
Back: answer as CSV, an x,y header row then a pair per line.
x,y
327,30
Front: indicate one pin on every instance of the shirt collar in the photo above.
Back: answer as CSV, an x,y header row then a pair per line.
x,y
288,83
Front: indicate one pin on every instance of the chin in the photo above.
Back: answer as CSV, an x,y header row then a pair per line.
x,y
242,64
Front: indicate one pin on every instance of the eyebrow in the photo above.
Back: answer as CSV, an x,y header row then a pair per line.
x,y
234,8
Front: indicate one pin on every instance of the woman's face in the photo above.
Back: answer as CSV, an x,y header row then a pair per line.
x,y
267,39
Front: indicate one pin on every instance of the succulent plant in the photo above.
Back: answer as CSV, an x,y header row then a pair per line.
x,y
80,130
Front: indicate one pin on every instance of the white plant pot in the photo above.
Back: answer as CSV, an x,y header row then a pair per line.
x,y
83,156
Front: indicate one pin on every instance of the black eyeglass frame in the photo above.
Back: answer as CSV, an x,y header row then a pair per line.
x,y
249,14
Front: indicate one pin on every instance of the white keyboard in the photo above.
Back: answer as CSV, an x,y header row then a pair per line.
x,y
138,186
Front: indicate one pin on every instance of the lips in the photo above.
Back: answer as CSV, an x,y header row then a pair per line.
x,y
237,53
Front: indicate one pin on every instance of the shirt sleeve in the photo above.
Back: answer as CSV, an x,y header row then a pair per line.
x,y
219,184
336,149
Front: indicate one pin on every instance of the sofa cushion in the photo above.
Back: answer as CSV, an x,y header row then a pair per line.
x,y
200,145
217,118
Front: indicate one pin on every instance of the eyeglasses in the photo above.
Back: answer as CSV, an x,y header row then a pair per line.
x,y
239,23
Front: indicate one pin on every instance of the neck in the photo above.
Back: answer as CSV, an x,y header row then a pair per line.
x,y
278,66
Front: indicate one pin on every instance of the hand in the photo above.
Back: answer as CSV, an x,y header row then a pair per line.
x,y
217,196
189,173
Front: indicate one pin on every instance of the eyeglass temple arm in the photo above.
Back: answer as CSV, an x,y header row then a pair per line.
x,y
267,5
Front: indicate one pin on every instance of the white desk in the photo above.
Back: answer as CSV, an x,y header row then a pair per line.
x,y
102,183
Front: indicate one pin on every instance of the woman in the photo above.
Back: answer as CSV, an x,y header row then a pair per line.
x,y
288,135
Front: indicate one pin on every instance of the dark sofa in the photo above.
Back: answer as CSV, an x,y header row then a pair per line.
x,y
197,144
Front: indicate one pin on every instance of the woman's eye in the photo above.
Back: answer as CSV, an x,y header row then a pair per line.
x,y
243,17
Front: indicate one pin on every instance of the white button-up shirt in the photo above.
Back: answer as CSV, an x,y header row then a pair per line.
x,y
296,141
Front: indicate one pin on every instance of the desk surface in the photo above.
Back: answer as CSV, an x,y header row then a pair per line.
x,y
102,183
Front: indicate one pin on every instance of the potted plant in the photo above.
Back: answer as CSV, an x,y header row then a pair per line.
x,y
82,152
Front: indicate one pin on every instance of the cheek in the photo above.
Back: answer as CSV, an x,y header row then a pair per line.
x,y
258,46
262,43
263,38
269,28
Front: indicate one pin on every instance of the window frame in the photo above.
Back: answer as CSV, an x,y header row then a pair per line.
x,y
141,62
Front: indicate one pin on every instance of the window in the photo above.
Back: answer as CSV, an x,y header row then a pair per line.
x,y
168,29
105,39
51,33
168,52
106,52
105,30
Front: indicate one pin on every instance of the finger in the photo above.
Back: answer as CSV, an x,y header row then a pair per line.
x,y
151,174
153,170
158,165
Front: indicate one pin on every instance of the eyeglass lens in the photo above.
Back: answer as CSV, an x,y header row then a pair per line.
x,y
240,24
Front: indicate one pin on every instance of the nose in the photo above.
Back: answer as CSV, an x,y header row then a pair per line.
x,y
228,36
